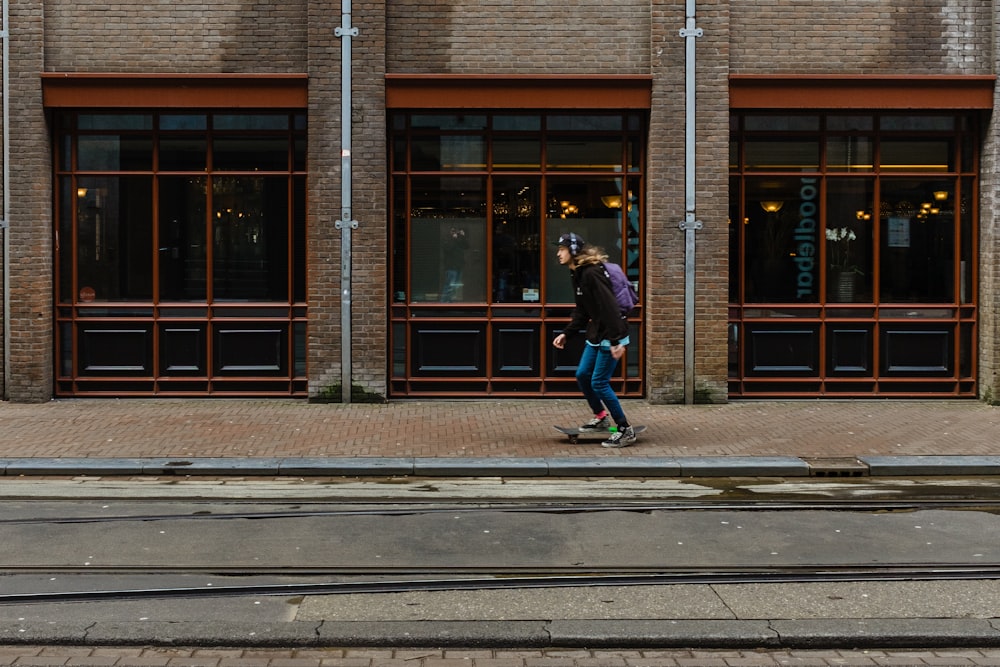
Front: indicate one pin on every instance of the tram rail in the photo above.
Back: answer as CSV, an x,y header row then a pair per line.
x,y
504,578
847,505
335,580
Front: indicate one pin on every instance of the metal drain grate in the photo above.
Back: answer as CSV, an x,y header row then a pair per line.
x,y
834,467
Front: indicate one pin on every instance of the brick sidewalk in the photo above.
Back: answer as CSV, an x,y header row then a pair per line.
x,y
121,656
142,428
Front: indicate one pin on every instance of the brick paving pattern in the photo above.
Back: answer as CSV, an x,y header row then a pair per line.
x,y
68,656
509,428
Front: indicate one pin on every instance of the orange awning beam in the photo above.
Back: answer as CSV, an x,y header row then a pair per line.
x,y
228,91
834,91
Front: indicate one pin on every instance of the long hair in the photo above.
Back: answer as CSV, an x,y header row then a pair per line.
x,y
591,254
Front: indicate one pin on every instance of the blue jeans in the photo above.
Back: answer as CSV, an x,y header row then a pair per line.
x,y
449,290
593,374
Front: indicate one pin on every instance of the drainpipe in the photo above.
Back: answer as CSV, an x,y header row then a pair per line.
x,y
690,224
5,220
346,224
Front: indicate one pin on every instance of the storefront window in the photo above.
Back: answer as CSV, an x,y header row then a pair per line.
x,y
448,240
918,241
849,234
181,248
477,205
114,238
847,274
517,248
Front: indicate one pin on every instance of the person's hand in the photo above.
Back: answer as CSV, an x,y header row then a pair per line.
x,y
617,351
560,341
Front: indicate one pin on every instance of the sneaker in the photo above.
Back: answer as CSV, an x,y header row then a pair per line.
x,y
621,438
596,424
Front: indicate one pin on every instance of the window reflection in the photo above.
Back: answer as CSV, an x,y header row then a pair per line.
x,y
517,224
448,240
182,250
921,155
250,238
584,153
114,238
782,240
848,236
594,208
918,241
880,236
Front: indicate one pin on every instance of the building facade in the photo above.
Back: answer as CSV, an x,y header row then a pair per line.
x,y
173,199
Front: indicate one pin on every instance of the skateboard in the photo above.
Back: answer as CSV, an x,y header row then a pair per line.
x,y
575,435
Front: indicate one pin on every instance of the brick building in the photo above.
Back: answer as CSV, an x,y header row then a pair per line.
x,y
174,187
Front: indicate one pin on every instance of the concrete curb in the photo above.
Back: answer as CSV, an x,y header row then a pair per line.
x,y
605,466
830,634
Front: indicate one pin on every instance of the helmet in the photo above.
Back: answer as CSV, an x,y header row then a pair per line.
x,y
572,241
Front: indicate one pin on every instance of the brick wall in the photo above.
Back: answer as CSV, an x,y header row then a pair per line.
x,y
232,36
989,258
371,262
861,37
665,207
989,266
31,249
369,284
527,37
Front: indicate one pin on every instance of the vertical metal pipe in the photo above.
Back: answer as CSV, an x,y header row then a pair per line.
x,y
346,224
5,221
690,225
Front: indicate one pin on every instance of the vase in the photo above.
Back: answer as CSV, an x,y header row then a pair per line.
x,y
843,286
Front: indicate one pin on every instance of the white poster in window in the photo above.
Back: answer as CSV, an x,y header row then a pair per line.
x,y
899,232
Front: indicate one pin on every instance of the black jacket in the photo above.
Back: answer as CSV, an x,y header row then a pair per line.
x,y
596,306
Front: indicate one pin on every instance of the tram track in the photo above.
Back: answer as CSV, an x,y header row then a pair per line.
x,y
219,579
849,505
453,579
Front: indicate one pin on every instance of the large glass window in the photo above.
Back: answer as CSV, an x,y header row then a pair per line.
x,y
181,246
852,238
448,239
477,204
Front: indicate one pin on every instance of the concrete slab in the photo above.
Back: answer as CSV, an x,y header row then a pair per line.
x,y
576,466
49,632
743,466
885,633
475,467
600,466
664,634
906,466
74,466
346,467
212,466
468,634
596,602
199,633
864,599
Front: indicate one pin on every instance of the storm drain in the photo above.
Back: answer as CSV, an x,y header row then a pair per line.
x,y
834,467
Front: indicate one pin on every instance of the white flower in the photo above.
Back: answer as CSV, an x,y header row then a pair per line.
x,y
840,234
839,248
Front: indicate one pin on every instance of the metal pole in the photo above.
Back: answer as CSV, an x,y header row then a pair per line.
x,y
5,221
347,223
690,224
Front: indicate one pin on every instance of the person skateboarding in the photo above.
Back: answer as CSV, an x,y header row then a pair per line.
x,y
606,333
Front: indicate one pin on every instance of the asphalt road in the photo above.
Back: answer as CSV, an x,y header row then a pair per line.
x,y
135,542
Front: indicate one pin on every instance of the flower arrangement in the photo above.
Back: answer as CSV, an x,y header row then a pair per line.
x,y
838,249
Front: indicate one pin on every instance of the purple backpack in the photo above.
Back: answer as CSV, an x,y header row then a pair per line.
x,y
621,287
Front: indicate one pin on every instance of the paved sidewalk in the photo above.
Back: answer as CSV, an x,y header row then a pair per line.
x,y
249,432
145,656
